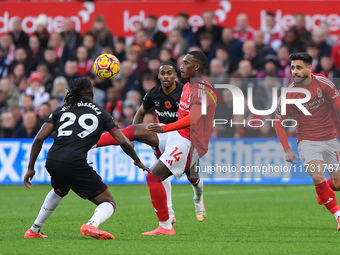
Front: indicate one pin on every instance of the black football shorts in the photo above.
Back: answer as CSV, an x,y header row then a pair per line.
x,y
80,177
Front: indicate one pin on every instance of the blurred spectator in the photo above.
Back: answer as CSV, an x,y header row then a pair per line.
x,y
7,126
283,60
103,35
37,90
113,103
223,54
292,42
166,55
26,103
249,53
135,96
132,79
271,68
247,75
217,71
3,65
319,39
129,111
89,41
313,50
3,103
153,66
153,32
85,64
138,65
149,118
59,89
54,103
18,78
99,95
46,76
34,52
71,71
206,41
273,34
225,111
120,48
7,47
243,31
262,49
186,30
304,35
30,126
234,45
210,27
20,56
19,37
10,91
148,82
55,65
16,111
107,50
56,41
335,54
324,27
44,112
176,44
146,48
327,68
71,37
41,30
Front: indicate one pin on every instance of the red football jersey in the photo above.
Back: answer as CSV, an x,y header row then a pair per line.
x,y
199,133
323,124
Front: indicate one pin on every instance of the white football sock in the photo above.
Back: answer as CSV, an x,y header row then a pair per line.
x,y
166,224
198,190
51,202
101,214
167,186
337,214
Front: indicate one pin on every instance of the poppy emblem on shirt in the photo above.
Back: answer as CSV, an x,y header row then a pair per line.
x,y
167,104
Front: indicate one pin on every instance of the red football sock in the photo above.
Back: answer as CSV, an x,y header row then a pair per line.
x,y
107,139
158,196
327,197
331,185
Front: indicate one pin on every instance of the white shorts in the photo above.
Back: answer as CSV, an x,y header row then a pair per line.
x,y
325,151
176,151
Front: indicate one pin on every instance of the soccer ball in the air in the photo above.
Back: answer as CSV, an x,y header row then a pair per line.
x,y
106,66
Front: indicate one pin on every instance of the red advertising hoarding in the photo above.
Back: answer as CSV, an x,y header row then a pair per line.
x,y
121,15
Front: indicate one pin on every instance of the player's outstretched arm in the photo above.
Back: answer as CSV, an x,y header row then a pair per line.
x,y
139,116
127,148
44,132
281,134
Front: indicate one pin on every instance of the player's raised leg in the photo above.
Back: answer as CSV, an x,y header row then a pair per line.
x,y
325,194
197,186
105,208
159,172
136,132
51,202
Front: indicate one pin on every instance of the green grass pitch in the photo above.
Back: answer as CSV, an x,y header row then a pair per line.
x,y
241,219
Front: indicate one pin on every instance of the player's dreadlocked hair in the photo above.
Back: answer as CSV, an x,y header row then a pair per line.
x,y
76,92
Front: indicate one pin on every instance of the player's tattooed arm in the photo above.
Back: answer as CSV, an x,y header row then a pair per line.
x,y
138,119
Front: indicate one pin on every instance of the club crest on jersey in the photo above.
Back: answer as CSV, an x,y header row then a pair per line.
x,y
167,104
319,92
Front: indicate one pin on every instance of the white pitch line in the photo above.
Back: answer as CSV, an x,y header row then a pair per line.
x,y
240,191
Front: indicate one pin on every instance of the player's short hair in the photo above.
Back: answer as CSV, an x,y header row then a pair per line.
x,y
200,57
305,57
77,91
168,63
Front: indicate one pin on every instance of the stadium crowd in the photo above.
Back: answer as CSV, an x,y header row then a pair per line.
x,y
36,69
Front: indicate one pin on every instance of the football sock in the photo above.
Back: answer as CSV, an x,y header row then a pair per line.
x,y
197,187
51,202
107,139
331,185
327,197
101,213
158,199
167,186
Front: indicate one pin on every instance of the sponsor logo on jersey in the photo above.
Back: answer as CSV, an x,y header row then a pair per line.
x,y
167,114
